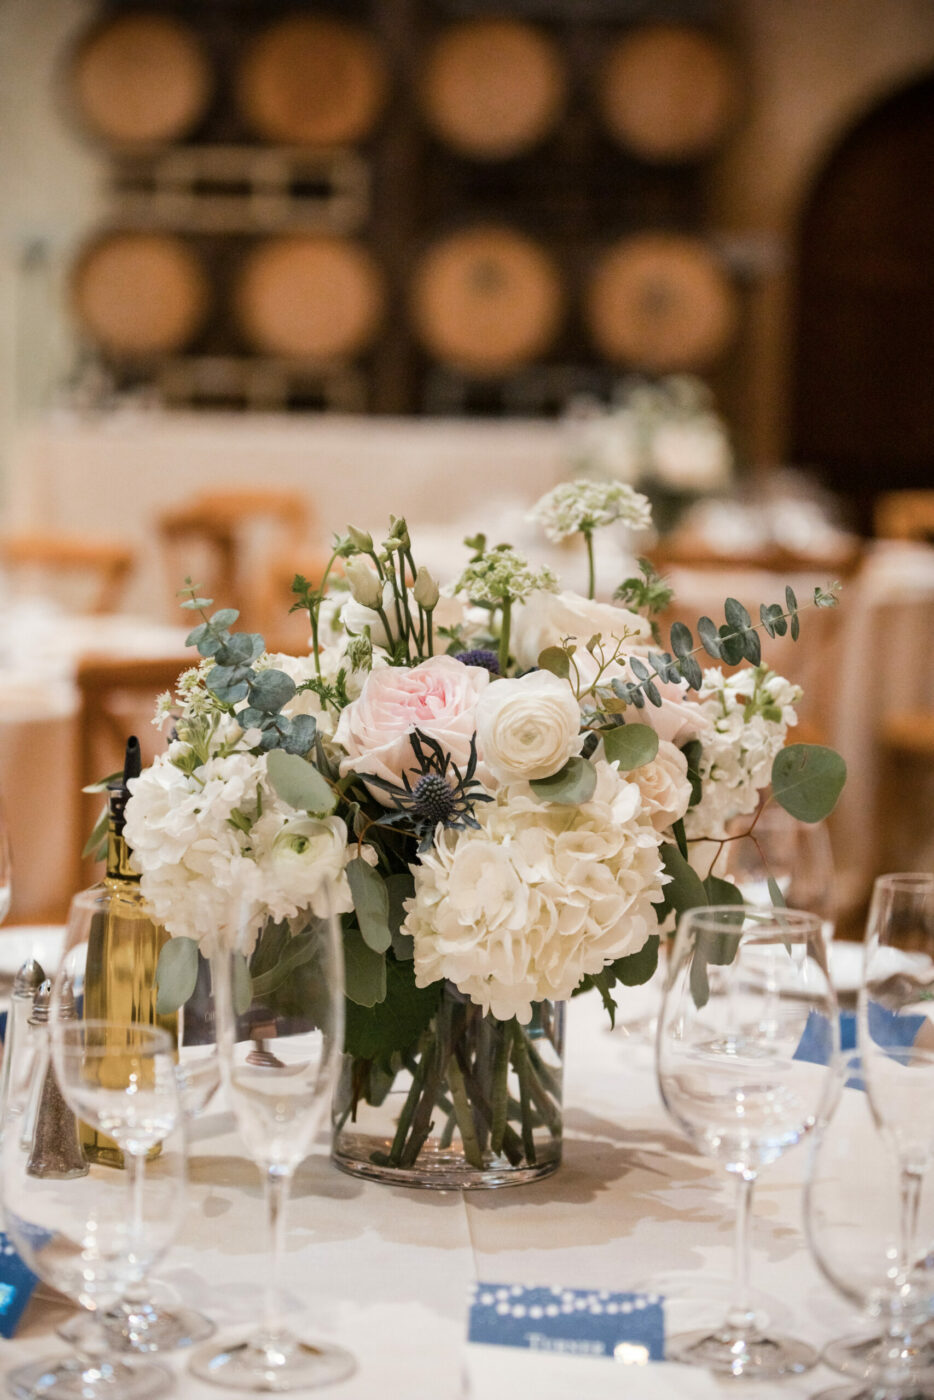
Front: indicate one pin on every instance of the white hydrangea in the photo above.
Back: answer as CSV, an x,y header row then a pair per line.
x,y
750,713
540,896
586,505
218,850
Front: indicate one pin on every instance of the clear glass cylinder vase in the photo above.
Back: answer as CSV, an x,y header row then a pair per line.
x,y
477,1102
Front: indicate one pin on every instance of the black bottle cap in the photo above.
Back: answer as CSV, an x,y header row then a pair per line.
x,y
118,792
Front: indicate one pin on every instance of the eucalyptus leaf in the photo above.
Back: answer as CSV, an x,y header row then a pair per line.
x,y
685,890
736,615
98,836
176,974
630,746
807,780
103,784
270,690
573,783
224,617
722,891
776,895
300,734
682,642
197,634
394,1023
690,669
710,637
555,660
371,903
752,648
299,783
731,646
364,970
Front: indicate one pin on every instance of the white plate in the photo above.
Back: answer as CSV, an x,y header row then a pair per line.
x,y
20,942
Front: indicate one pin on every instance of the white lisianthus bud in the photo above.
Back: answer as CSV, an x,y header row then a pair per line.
x,y
529,727
365,587
425,591
360,539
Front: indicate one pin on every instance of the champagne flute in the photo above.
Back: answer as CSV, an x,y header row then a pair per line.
x,y
135,1323
855,1229
76,1230
747,1023
280,1034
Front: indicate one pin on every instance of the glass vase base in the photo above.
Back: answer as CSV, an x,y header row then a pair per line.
x,y
761,1357
141,1328
435,1168
864,1357
264,1365
875,1391
70,1378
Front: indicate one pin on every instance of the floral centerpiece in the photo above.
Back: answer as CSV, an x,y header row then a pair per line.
x,y
501,784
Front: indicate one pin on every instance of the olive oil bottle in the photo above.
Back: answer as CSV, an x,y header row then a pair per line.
x,y
123,948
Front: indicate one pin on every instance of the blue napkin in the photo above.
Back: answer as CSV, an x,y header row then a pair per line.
x,y
570,1321
16,1287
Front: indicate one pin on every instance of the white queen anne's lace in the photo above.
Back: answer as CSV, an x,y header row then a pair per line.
x,y
541,896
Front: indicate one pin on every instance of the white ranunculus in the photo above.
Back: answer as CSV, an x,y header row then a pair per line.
x,y
527,728
666,791
539,896
303,859
546,619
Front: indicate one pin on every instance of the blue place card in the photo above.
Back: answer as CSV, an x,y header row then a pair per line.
x,y
16,1287
627,1327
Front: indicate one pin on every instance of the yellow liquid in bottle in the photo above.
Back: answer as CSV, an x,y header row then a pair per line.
x,y
120,981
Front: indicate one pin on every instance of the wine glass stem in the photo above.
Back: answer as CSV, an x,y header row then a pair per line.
x,y
278,1182
911,1184
134,1163
740,1318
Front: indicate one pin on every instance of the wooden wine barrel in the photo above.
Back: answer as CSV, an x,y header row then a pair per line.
x,y
140,79
660,302
310,80
669,92
493,88
139,294
309,296
486,300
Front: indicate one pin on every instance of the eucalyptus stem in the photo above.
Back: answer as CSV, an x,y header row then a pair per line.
x,y
464,1114
504,636
591,568
500,1087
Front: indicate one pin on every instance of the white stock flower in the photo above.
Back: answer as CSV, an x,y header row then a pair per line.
x,y
750,712
664,784
538,897
527,728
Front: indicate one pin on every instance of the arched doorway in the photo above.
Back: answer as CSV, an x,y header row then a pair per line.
x,y
863,364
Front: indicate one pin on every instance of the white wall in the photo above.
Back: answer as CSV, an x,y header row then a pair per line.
x,y
50,192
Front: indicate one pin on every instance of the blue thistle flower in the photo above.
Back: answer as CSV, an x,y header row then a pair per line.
x,y
441,795
480,657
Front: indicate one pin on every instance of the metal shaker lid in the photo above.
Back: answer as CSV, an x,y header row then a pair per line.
x,y
29,978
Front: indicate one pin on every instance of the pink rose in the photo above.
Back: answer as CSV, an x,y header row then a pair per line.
x,y
438,697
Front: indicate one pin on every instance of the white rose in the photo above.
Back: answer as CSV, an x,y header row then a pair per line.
x,y
666,791
528,728
545,619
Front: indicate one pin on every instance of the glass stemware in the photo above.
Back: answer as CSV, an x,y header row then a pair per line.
x,y
796,855
280,1034
747,1024
6,867
856,1231
93,1233
135,1323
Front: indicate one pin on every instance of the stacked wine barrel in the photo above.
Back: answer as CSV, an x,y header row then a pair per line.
x,y
400,215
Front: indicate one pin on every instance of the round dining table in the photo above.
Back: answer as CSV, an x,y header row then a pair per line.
x,y
388,1271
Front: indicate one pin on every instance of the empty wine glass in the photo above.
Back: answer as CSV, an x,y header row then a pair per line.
x,y
280,1033
747,1024
856,1231
135,1323
6,867
796,855
93,1233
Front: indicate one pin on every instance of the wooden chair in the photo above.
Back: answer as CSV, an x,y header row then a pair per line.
x,y
116,698
224,530
905,515
104,565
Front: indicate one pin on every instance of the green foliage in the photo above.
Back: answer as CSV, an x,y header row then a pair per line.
x,y
630,745
556,660
96,844
572,784
394,1024
807,780
685,889
371,904
364,970
300,784
631,971
649,594
176,974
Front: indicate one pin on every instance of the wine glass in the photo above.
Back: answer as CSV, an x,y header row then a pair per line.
x,y
6,867
796,855
747,1024
91,1233
280,1033
135,1323
856,1232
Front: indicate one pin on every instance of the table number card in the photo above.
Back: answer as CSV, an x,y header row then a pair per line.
x,y
579,1322
16,1287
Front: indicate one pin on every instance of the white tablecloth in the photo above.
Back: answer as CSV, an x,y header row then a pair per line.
x,y
385,1271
